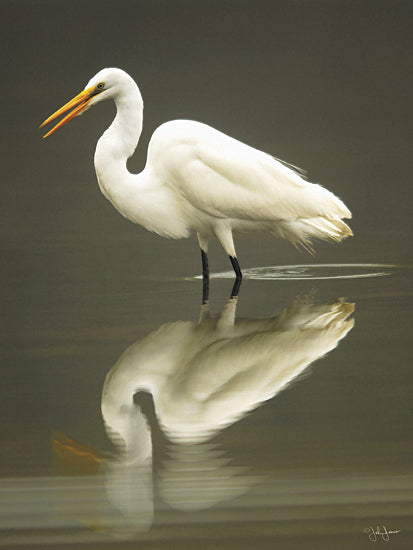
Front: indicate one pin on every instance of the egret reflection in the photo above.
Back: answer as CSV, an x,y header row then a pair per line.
x,y
202,377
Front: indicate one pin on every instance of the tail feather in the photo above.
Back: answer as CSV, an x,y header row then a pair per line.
x,y
301,232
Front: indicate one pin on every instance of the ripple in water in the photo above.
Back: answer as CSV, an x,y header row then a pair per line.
x,y
312,272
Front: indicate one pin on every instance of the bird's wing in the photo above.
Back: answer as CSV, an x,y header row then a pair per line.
x,y
234,374
226,178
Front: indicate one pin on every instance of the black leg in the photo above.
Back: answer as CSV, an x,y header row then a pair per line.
x,y
236,267
205,290
205,266
236,287
205,277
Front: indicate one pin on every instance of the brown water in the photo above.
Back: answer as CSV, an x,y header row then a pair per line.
x,y
287,427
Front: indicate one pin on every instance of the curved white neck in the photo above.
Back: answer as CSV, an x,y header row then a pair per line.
x,y
120,140
141,198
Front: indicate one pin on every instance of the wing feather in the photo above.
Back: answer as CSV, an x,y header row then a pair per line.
x,y
226,178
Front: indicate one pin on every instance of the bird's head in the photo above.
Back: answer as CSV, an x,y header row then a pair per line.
x,y
106,84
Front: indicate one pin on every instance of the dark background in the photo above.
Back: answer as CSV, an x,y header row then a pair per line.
x,y
325,85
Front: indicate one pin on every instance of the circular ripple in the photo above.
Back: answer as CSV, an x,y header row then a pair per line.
x,y
313,271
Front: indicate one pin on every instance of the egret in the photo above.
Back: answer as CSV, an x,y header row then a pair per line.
x,y
199,180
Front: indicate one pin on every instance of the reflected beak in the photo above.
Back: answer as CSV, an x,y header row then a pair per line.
x,y
79,104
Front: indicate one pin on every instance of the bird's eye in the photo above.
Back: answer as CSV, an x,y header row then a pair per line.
x,y
100,86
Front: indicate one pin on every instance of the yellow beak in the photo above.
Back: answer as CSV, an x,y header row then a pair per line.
x,y
79,104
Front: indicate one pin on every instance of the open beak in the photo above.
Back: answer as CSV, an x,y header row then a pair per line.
x,y
79,104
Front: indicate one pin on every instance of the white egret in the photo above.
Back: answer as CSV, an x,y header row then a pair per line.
x,y
197,179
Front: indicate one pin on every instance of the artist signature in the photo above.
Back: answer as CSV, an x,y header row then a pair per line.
x,y
379,532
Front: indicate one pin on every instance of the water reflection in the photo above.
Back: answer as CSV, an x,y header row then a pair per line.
x,y
203,376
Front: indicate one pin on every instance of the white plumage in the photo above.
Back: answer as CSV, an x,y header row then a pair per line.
x,y
205,376
198,179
